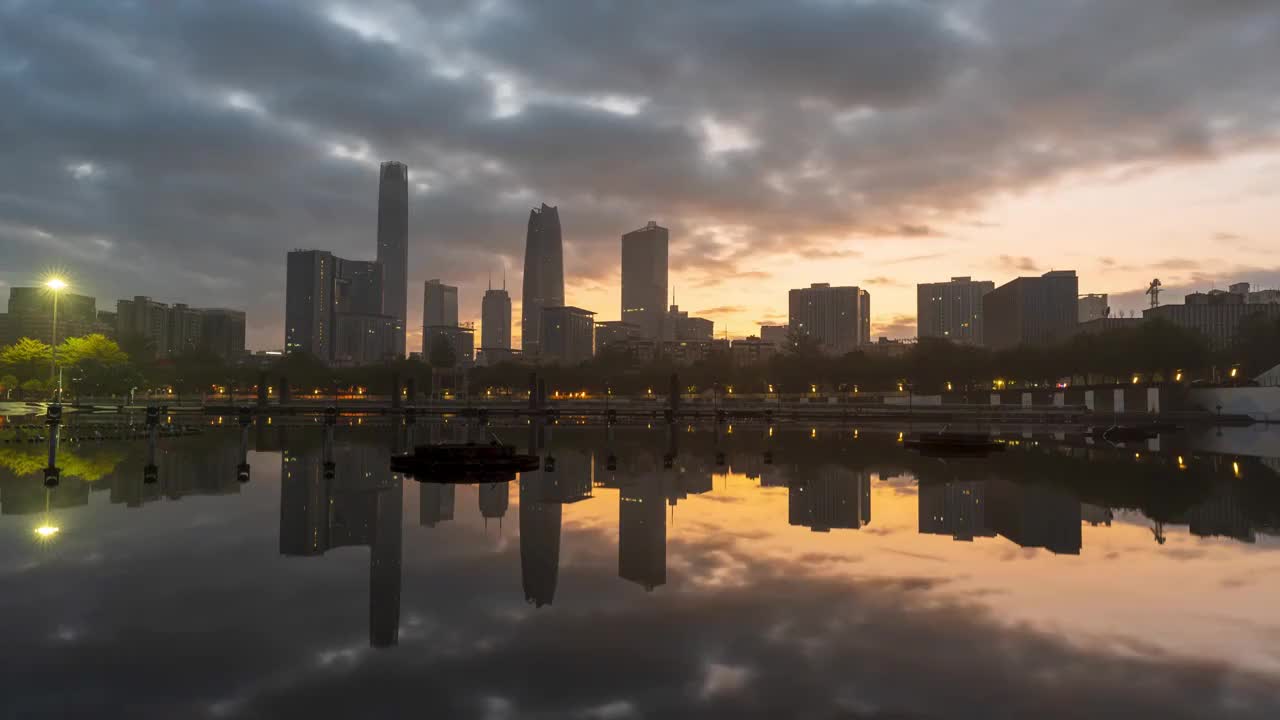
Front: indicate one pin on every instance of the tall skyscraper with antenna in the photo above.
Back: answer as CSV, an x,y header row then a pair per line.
x,y
543,274
495,318
393,245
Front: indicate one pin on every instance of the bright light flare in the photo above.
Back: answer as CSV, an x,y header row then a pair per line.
x,y
55,283
46,532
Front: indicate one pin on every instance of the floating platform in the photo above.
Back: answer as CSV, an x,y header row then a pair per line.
x,y
464,463
953,444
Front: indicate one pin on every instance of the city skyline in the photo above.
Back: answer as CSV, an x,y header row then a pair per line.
x,y
870,177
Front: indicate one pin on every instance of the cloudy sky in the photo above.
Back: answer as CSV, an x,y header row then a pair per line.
x,y
179,149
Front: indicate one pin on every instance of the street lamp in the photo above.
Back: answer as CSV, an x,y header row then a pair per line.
x,y
55,285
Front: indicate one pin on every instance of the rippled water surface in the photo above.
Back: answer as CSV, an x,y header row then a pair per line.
x,y
819,572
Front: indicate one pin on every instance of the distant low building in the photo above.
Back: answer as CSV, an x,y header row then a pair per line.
x,y
752,351
1215,315
610,332
459,338
1092,307
681,326
691,351
106,324
775,334
1099,326
1030,310
488,357
1255,297
566,334
363,339
889,348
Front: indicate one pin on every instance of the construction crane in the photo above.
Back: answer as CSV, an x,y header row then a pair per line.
x,y
1154,291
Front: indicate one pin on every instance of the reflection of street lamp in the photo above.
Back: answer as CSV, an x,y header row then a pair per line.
x,y
47,530
56,285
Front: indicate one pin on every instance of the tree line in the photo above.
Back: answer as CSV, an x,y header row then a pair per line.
x,y
1154,351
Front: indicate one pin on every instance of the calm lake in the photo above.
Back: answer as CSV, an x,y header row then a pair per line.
x,y
792,571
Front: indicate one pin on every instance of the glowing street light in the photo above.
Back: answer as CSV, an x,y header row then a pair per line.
x,y
55,285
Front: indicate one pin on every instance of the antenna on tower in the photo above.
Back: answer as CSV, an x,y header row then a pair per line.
x,y
490,279
1154,291
504,276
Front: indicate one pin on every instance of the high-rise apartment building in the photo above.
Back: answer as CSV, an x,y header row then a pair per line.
x,y
222,331
333,309
495,320
644,279
308,303
1030,310
146,318
179,328
839,318
952,310
31,315
393,246
543,274
567,334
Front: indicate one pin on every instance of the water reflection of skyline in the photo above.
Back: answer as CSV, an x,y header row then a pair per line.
x,y
336,491
473,611
1022,495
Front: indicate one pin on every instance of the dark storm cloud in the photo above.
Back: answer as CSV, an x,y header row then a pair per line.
x,y
180,149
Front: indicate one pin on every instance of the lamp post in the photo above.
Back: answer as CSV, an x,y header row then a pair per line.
x,y
56,285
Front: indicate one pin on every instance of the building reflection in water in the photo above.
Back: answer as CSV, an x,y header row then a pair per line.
x,y
832,497
539,540
337,494
1032,515
642,531
957,509
435,503
539,527
346,496
495,498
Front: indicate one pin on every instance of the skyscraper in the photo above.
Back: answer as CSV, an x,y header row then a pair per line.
x,y
1030,310
543,274
839,318
439,304
644,279
952,310
495,319
393,245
